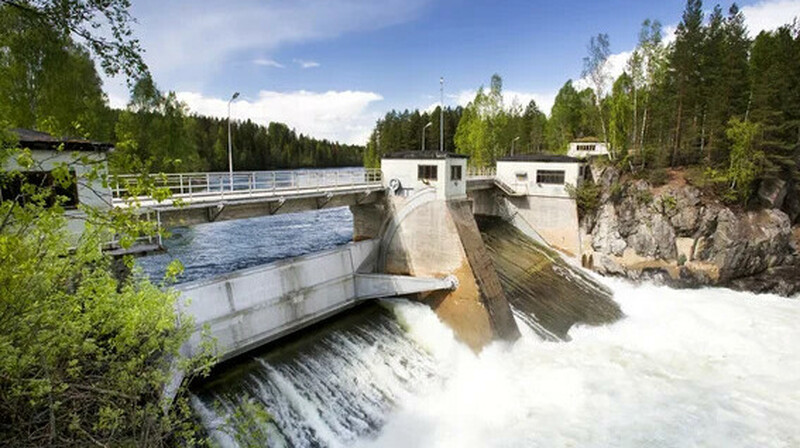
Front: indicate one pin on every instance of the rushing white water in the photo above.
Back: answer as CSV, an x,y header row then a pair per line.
x,y
707,367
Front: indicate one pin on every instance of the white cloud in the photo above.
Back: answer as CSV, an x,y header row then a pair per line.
x,y
306,64
268,63
342,116
615,65
769,15
189,51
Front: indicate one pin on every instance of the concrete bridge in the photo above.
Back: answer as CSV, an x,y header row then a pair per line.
x,y
207,197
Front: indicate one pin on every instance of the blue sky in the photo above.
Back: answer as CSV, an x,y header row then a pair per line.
x,y
330,68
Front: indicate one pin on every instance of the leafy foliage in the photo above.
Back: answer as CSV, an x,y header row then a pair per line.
x,y
746,161
84,356
587,197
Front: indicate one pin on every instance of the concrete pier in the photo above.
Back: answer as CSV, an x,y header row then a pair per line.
x,y
430,232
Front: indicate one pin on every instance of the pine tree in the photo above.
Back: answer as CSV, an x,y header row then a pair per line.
x,y
685,60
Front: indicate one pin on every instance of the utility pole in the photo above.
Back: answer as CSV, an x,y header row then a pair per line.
x,y
230,152
441,113
430,123
512,144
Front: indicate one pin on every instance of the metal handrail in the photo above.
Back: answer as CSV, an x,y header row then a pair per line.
x,y
481,172
246,183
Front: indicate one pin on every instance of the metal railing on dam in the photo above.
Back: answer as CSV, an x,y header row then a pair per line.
x,y
478,173
194,188
191,188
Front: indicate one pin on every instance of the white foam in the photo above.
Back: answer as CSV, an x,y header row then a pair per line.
x,y
707,367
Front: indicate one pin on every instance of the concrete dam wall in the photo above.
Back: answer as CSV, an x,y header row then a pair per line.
x,y
430,237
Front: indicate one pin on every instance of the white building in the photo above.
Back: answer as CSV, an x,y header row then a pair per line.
x,y
540,174
410,171
49,152
583,150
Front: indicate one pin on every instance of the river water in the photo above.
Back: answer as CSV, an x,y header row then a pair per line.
x,y
706,367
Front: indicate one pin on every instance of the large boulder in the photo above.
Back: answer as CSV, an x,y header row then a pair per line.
x,y
654,238
772,192
633,208
605,236
791,205
746,244
688,210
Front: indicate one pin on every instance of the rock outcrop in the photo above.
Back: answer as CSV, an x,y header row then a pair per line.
x,y
676,235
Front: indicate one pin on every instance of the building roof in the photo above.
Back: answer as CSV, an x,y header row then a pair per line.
x,y
424,155
44,141
547,158
587,140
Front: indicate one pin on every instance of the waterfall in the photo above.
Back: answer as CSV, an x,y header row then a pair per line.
x,y
330,387
706,367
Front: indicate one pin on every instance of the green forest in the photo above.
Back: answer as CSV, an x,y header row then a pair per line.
x,y
49,83
713,99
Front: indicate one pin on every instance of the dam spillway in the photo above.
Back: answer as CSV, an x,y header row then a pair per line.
x,y
391,374
541,287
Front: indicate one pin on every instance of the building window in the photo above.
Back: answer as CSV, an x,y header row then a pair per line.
x,y
586,147
427,172
455,172
11,188
522,176
550,177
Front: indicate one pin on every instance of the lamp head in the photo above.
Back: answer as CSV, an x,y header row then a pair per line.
x,y
235,95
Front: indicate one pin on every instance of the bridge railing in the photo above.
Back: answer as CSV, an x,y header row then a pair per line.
x,y
243,184
481,173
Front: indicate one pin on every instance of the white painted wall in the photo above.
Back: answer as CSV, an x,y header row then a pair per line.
x,y
405,170
456,189
89,193
600,149
507,173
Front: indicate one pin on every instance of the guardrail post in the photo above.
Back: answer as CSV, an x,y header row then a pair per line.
x,y
221,188
208,183
274,180
180,179
158,224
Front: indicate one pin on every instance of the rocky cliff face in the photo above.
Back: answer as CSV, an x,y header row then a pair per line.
x,y
676,235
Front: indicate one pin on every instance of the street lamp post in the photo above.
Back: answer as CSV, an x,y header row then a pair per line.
x,y
430,123
230,152
441,113
512,144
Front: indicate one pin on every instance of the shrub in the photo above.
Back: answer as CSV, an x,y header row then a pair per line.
x,y
668,204
84,357
658,177
644,197
587,197
617,191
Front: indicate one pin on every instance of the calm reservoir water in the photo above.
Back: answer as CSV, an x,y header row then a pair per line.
x,y
708,367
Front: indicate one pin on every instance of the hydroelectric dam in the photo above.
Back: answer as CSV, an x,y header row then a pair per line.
x,y
386,372
414,234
